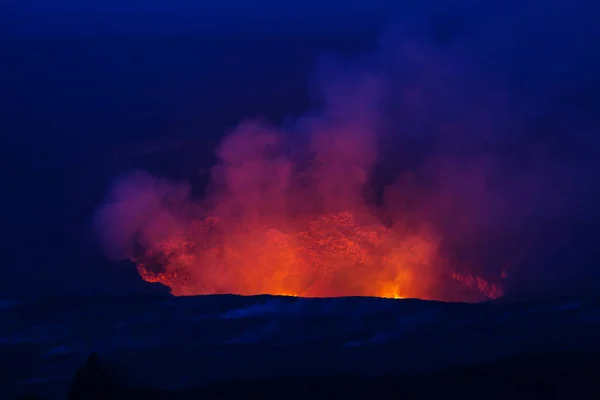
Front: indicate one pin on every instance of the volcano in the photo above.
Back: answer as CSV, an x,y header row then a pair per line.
x,y
331,255
289,209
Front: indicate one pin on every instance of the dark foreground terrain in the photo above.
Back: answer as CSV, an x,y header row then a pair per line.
x,y
560,375
273,347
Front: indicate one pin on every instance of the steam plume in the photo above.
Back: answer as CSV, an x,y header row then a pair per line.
x,y
414,177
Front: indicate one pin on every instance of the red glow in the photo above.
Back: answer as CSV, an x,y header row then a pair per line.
x,y
286,213
329,255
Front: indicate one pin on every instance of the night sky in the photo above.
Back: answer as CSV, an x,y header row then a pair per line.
x,y
89,90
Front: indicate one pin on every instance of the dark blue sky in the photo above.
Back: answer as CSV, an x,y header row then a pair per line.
x,y
512,15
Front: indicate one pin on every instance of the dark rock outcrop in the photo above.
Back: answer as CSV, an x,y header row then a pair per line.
x,y
97,380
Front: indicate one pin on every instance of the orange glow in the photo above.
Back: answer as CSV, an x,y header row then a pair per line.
x,y
330,255
322,209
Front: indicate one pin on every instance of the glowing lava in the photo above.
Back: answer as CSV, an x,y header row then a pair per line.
x,y
287,212
327,256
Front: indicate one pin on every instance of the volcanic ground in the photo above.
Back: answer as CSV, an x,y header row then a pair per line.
x,y
177,342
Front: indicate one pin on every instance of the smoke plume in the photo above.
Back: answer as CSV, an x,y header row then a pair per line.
x,y
419,174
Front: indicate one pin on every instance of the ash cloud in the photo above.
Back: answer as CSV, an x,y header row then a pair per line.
x,y
422,139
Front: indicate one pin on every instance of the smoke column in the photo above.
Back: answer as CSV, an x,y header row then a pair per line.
x,y
418,175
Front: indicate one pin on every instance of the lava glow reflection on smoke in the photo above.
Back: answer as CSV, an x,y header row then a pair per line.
x,y
286,211
324,256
